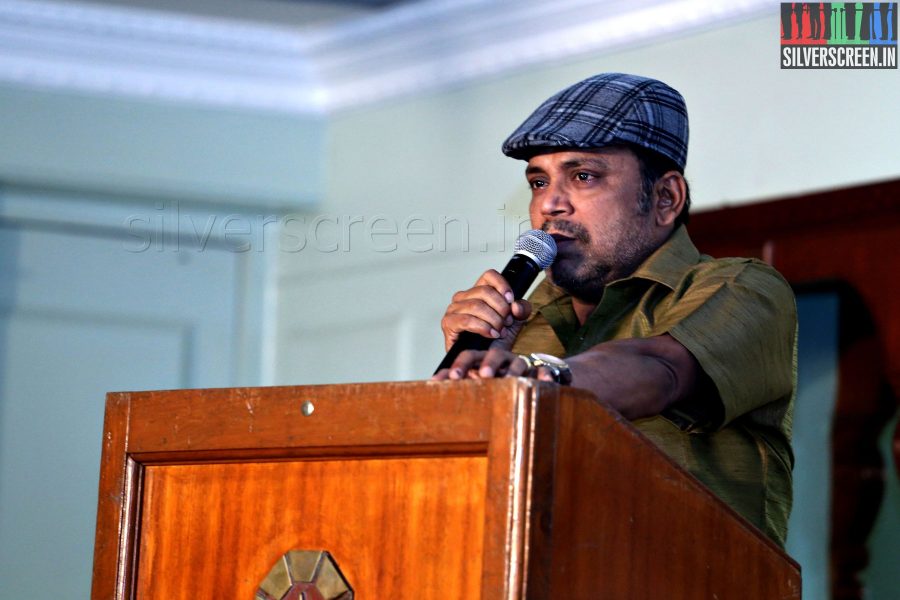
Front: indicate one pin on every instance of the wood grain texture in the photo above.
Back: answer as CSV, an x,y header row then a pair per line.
x,y
359,423
503,489
389,417
114,551
615,518
398,528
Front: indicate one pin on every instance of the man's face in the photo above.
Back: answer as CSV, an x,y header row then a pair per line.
x,y
589,201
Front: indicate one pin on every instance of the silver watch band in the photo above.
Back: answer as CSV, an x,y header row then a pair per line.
x,y
557,366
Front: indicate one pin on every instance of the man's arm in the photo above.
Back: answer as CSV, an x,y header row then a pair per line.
x,y
637,377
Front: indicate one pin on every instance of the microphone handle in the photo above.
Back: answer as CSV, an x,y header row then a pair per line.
x,y
520,272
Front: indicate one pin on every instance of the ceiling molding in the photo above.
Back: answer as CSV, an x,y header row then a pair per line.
x,y
148,54
412,48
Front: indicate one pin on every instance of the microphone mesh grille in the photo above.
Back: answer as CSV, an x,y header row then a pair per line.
x,y
538,244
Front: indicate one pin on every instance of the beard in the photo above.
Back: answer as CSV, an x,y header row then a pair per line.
x,y
586,268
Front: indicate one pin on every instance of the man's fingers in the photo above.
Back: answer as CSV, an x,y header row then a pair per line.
x,y
521,309
484,294
477,308
453,325
442,375
518,368
467,361
508,336
495,280
495,363
485,309
545,374
477,364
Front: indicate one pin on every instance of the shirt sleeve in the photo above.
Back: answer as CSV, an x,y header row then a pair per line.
x,y
739,322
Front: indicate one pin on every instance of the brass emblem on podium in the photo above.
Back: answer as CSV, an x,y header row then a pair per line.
x,y
305,575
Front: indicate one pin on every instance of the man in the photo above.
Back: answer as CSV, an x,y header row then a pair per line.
x,y
815,24
697,352
851,20
786,11
798,17
867,24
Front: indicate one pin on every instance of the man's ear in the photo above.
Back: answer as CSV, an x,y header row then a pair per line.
x,y
669,195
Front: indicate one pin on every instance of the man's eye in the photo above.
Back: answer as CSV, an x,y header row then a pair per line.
x,y
537,183
585,176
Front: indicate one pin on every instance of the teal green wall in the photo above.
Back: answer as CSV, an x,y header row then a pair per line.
x,y
817,361
882,579
132,147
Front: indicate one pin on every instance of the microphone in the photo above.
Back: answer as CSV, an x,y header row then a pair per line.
x,y
533,252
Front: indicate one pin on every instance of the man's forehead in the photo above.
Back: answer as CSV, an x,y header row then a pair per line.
x,y
603,157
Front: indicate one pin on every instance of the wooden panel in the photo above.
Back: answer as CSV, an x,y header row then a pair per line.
x,y
618,519
498,489
509,485
398,528
368,416
113,547
393,420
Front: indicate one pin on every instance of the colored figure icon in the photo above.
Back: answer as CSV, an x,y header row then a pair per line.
x,y
786,11
828,15
851,20
798,18
886,8
815,24
867,21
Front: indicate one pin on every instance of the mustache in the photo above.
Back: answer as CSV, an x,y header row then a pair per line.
x,y
567,228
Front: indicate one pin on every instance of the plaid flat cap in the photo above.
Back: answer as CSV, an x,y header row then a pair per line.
x,y
605,110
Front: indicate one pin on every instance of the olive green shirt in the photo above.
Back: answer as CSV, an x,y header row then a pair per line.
x,y
737,317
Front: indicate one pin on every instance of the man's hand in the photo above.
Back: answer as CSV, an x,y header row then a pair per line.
x,y
480,364
638,377
488,309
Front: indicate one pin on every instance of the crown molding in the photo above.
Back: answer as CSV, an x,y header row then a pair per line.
x,y
413,48
123,51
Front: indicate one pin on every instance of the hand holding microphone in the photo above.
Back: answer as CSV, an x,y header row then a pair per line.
x,y
493,309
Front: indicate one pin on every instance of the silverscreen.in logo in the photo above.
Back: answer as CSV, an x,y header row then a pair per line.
x,y
838,35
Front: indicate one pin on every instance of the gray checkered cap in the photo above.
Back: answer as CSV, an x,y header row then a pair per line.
x,y
606,110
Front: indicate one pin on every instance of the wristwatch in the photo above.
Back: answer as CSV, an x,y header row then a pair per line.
x,y
557,366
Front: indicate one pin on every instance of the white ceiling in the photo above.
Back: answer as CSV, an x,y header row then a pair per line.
x,y
285,13
310,58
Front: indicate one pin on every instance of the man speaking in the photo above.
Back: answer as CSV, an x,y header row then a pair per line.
x,y
699,353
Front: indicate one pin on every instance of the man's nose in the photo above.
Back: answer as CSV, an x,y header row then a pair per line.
x,y
556,202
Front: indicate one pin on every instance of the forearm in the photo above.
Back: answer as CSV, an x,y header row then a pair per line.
x,y
637,377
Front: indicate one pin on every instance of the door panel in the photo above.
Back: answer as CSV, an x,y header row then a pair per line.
x,y
82,314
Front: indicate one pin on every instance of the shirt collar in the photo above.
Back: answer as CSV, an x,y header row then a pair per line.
x,y
666,265
669,262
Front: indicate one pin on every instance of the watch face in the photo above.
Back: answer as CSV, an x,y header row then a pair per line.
x,y
550,359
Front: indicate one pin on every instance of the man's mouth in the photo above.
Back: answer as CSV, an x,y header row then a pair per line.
x,y
563,231
564,240
561,238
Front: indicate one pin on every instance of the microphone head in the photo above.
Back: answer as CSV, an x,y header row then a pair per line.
x,y
537,245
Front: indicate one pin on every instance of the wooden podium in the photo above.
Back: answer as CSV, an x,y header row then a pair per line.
x,y
454,490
